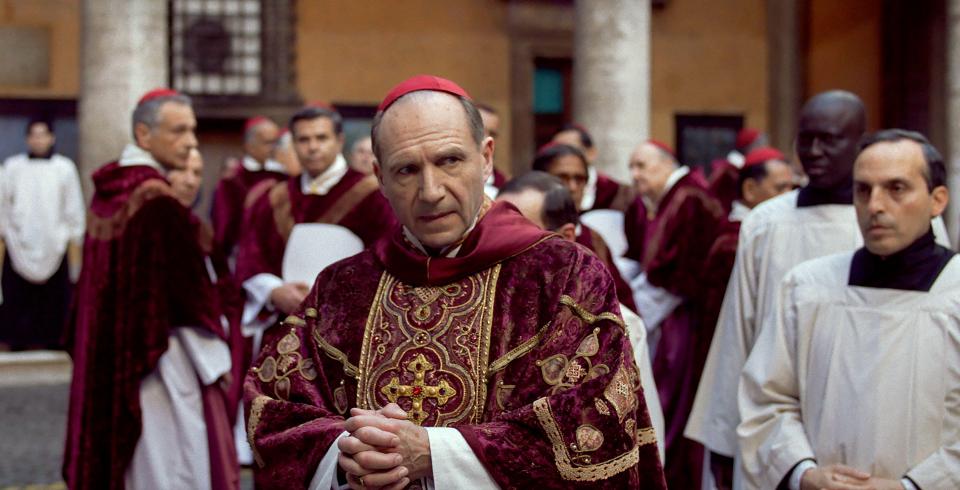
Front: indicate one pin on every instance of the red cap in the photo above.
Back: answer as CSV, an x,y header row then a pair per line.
x,y
253,122
421,82
762,155
746,136
157,93
663,146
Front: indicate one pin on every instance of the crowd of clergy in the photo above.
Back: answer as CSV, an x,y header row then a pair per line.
x,y
768,322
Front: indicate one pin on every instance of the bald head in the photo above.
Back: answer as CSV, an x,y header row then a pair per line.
x,y
426,97
831,125
650,167
260,140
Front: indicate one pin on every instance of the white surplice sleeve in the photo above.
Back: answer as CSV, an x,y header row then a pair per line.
x,y
715,416
454,464
940,471
258,289
74,211
771,434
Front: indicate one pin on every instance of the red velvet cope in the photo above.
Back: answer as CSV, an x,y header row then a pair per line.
x,y
502,232
230,200
678,241
143,272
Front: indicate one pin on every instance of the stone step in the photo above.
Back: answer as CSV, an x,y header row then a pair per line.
x,y
34,367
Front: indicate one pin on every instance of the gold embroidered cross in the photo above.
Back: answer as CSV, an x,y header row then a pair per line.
x,y
418,391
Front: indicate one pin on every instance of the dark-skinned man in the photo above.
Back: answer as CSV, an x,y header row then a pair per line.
x,y
811,222
854,378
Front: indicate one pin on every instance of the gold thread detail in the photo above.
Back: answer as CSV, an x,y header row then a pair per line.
x,y
484,353
517,352
591,472
646,435
294,321
367,333
336,354
256,411
588,317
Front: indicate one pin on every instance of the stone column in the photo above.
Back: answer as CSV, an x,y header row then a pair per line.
x,y
611,78
953,117
124,54
785,38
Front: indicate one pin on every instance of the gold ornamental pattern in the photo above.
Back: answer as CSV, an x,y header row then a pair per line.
x,y
427,349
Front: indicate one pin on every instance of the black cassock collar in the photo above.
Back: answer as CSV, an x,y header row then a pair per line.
x,y
914,268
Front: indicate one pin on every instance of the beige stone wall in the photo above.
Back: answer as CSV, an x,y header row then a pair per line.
x,y
708,57
61,20
845,51
355,55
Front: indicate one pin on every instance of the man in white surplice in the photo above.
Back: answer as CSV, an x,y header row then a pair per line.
x,y
42,216
797,226
854,382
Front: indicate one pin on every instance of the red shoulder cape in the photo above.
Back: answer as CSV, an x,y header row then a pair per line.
x,y
501,233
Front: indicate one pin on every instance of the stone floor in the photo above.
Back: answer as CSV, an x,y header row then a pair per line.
x,y
34,389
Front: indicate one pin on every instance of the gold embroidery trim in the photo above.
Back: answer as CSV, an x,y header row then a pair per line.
x,y
592,472
256,411
294,321
367,333
350,200
517,352
646,436
588,317
336,354
484,353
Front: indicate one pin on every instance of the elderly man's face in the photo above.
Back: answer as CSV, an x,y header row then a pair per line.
x,y
650,170
827,144
362,157
186,181
172,138
432,170
264,141
894,206
317,144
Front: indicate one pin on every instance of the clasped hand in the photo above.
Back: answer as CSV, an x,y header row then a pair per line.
x,y
384,449
840,477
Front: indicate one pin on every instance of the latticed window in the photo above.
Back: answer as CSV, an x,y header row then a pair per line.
x,y
218,47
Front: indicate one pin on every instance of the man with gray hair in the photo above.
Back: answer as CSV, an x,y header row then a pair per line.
x,y
151,362
467,348
854,378
245,181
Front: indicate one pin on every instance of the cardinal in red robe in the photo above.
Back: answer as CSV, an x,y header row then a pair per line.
x,y
245,181
147,285
478,349
683,224
327,191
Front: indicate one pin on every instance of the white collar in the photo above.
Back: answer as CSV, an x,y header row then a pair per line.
x,y
736,158
672,180
738,211
590,190
321,184
252,165
134,155
449,252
